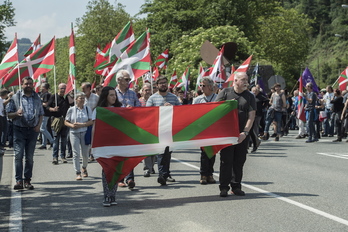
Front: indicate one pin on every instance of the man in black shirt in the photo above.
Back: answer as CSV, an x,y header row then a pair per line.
x,y
232,158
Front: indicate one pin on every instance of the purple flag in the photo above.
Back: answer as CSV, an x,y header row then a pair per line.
x,y
308,78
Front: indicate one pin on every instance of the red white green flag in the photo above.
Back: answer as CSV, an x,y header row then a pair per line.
x,y
173,80
121,42
155,74
162,60
229,82
243,68
178,127
218,72
10,59
184,81
200,76
36,45
135,59
300,105
101,64
72,63
39,62
343,79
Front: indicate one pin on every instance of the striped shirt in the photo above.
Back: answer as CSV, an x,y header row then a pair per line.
x,y
158,100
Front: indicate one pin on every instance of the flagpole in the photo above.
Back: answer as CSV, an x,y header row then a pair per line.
x,y
335,82
55,84
151,82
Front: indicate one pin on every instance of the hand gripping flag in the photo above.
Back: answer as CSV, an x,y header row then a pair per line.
x,y
120,134
10,59
39,62
343,79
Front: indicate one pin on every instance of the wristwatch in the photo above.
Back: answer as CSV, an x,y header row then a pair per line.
x,y
246,133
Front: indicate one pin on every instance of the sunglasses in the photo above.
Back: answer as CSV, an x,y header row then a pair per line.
x,y
202,85
127,79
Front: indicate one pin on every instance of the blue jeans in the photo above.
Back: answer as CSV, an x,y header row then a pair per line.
x,y
163,163
61,138
278,118
45,134
311,127
24,141
328,123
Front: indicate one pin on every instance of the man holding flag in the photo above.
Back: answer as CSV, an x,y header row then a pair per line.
x,y
25,109
233,157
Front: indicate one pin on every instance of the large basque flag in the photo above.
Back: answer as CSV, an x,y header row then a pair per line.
x,y
123,136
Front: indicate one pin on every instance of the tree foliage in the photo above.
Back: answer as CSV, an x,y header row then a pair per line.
x,y
6,20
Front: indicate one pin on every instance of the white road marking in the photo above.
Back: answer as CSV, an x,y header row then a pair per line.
x,y
15,219
336,155
298,204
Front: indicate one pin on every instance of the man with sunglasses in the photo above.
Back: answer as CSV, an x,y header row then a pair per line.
x,y
128,98
207,165
25,109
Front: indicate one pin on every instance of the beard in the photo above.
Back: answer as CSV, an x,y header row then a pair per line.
x,y
27,90
163,89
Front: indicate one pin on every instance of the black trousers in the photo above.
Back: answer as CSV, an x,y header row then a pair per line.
x,y
207,165
232,160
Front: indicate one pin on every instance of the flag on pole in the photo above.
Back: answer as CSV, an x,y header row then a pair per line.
x,y
300,105
176,127
242,68
229,82
101,64
200,76
135,59
343,79
173,80
184,81
121,42
72,63
39,62
36,45
218,73
162,60
307,77
155,74
10,59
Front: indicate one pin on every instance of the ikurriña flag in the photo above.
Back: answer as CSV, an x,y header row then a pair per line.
x,y
125,132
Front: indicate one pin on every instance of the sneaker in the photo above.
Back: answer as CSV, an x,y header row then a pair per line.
x,y
113,201
42,147
91,159
309,141
55,161
153,172
299,137
223,193
28,185
84,172
337,140
274,135
69,156
211,180
147,173
203,180
238,192
170,179
131,184
106,202
121,184
276,139
18,185
64,160
161,180
78,177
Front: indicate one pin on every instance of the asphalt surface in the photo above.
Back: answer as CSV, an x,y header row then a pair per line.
x,y
290,185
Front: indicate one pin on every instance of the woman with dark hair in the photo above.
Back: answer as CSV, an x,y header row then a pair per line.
x,y
107,98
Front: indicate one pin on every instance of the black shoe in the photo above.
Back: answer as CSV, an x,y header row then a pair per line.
x,y
28,185
324,135
42,147
131,184
161,180
276,138
18,185
274,135
238,192
147,174
55,161
310,141
254,149
170,179
223,193
337,140
69,156
153,172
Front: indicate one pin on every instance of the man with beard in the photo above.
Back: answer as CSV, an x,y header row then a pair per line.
x,y
232,158
58,105
163,98
25,109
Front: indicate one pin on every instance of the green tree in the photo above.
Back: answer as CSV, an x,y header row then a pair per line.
x,y
99,25
6,20
186,50
284,38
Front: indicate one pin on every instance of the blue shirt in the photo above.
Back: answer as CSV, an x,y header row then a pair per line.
x,y
158,100
127,98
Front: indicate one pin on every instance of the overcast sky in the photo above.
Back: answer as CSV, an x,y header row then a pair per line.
x,y
53,17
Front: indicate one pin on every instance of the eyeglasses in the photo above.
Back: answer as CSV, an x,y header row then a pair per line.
x,y
127,79
202,85
163,83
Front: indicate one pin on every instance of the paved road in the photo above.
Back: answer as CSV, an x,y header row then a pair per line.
x,y
290,186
